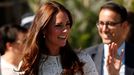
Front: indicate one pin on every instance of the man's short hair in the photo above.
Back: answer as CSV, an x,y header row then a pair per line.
x,y
121,10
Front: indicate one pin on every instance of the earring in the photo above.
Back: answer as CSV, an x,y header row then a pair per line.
x,y
44,36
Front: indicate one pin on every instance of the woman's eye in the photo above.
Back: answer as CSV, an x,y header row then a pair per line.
x,y
68,25
59,26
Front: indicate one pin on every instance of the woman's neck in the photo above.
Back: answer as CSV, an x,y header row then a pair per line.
x,y
53,50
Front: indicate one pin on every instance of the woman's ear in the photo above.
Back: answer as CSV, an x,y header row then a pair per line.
x,y
8,45
43,36
44,33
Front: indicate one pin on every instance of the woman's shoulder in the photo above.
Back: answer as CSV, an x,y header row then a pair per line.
x,y
83,56
89,66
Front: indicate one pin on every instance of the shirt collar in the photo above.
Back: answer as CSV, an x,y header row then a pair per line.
x,y
119,49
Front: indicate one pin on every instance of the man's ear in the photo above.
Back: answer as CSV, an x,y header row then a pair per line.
x,y
126,28
125,24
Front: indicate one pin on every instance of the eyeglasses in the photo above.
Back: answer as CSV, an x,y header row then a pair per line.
x,y
109,24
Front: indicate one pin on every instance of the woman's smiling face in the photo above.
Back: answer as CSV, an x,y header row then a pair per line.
x,y
57,31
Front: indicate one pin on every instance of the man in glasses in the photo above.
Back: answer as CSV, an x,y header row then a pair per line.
x,y
112,57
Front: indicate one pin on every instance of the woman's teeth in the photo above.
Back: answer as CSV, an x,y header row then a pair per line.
x,y
62,37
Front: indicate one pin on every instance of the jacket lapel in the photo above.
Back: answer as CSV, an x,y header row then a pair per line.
x,y
99,58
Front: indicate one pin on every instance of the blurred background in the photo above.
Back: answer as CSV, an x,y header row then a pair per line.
x,y
84,31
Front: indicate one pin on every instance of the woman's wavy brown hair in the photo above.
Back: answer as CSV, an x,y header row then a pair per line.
x,y
35,43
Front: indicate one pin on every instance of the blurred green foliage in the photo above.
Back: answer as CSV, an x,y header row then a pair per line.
x,y
84,31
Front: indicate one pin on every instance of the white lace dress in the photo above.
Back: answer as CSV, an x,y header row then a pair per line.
x,y
52,65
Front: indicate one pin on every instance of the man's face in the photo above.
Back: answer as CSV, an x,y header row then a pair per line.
x,y
110,27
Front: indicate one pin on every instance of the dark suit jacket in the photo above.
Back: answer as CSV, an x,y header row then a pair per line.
x,y
96,52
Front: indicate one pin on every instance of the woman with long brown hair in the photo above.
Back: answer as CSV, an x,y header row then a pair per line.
x,y
47,51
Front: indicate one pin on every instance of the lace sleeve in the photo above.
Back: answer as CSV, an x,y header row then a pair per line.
x,y
89,67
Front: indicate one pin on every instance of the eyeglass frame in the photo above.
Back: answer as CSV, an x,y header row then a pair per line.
x,y
109,24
